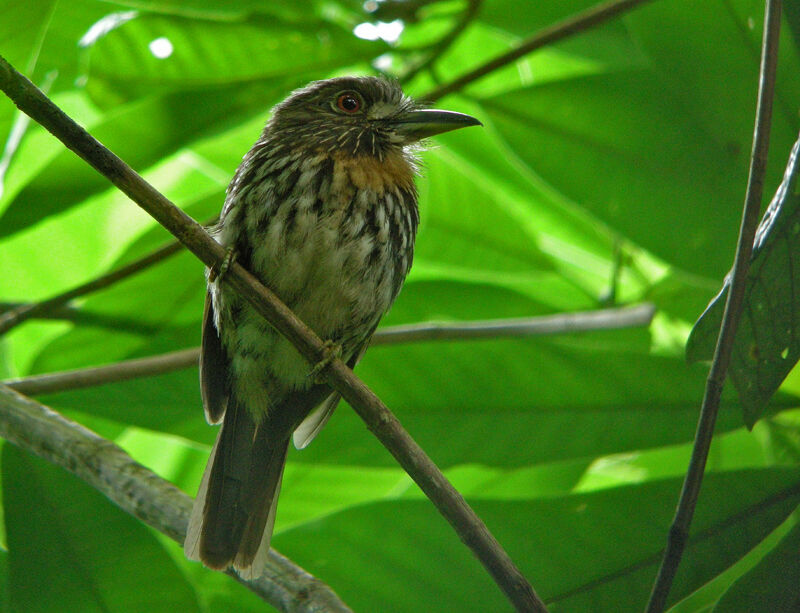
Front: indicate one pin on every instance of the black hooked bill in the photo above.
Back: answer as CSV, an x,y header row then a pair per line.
x,y
423,123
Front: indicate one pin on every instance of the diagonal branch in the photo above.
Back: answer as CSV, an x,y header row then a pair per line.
x,y
549,35
379,419
563,323
136,490
679,531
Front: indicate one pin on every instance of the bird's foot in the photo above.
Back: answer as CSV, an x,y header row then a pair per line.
x,y
330,351
218,273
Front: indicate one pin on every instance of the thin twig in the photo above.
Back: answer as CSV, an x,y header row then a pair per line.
x,y
439,47
21,313
551,34
369,407
124,370
45,309
679,531
76,315
564,323
143,494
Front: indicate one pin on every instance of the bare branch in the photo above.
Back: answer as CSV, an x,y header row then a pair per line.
x,y
140,492
562,323
679,531
551,34
100,375
607,319
379,419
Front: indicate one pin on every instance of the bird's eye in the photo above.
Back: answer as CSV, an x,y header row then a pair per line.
x,y
349,102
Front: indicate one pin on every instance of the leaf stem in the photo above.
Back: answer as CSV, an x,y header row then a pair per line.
x,y
679,531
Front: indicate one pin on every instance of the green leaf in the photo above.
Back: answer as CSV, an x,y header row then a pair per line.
x,y
451,399
588,136
585,552
142,132
222,9
41,42
95,557
21,37
658,143
43,36
144,95
727,35
771,585
193,53
767,343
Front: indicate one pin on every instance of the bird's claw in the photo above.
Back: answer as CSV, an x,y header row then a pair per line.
x,y
218,273
330,351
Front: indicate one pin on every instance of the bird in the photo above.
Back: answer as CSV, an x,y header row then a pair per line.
x,y
323,211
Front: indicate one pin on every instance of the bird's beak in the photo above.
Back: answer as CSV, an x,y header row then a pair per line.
x,y
416,125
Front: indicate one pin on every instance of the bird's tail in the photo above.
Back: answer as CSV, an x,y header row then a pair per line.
x,y
234,512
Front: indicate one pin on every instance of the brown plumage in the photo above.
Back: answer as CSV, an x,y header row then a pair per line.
x,y
323,210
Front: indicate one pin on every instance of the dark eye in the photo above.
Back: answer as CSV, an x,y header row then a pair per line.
x,y
349,102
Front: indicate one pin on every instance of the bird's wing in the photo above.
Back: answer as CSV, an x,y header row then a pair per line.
x,y
311,425
214,386
309,428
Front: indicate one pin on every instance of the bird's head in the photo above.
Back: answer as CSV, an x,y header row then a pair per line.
x,y
358,116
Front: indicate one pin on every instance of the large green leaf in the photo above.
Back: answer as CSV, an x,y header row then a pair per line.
x,y
201,53
641,148
42,38
771,585
142,132
21,38
452,400
590,552
41,41
94,556
619,145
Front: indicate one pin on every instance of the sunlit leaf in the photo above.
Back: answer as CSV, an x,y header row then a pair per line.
x,y
163,53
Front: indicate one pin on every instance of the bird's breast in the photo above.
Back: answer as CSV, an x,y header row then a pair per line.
x,y
395,169
338,245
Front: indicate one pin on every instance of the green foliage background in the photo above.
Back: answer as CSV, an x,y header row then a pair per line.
x,y
618,157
